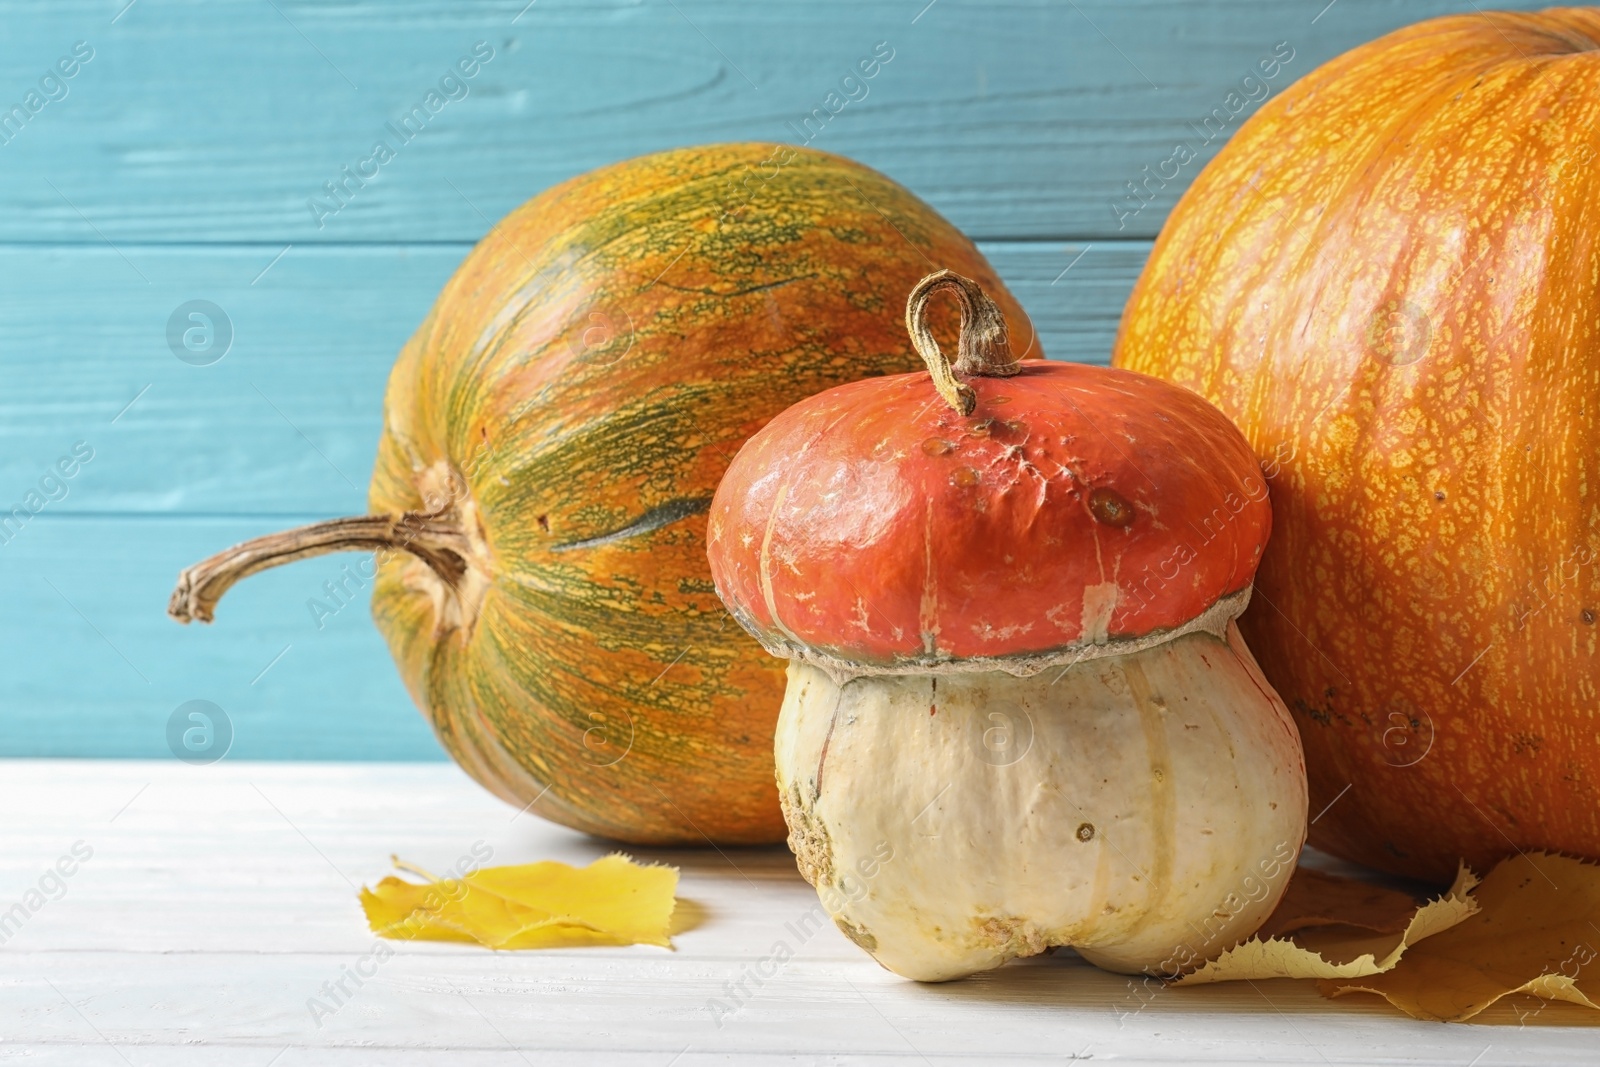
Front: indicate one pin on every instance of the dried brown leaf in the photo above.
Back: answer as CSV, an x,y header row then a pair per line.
x,y
1315,898
1536,931
1338,944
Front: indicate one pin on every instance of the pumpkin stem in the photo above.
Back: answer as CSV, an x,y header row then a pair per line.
x,y
982,350
435,538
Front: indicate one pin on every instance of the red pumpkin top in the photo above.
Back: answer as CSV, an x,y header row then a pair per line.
x,y
997,509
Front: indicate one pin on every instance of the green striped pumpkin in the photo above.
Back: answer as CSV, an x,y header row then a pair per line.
x,y
553,434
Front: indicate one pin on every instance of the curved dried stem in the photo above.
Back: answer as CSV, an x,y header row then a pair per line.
x,y
435,538
982,349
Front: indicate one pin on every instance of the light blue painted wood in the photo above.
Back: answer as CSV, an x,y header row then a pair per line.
x,y
87,578
94,667
217,120
177,163
288,420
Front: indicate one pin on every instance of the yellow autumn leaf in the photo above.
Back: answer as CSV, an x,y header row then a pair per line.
x,y
613,901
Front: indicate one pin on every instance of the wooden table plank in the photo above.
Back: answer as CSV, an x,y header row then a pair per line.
x,y
218,901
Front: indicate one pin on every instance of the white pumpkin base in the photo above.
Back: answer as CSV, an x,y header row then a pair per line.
x,y
1146,809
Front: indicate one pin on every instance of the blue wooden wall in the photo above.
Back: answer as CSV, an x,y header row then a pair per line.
x,y
176,164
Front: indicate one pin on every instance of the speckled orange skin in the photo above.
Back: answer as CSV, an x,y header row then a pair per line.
x,y
1076,505
1390,278
574,398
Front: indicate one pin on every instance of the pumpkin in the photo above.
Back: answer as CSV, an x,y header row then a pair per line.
x,y
1018,713
1390,279
552,436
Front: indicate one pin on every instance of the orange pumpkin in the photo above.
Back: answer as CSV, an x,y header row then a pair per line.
x,y
552,438
1390,279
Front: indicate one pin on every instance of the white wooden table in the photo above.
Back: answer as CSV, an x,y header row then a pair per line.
x,y
218,901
